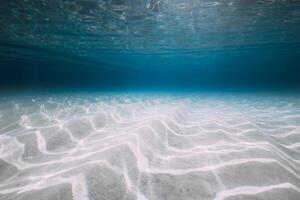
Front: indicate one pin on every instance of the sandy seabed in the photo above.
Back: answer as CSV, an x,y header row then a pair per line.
x,y
150,147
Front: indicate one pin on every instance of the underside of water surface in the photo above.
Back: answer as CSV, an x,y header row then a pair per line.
x,y
150,43
149,99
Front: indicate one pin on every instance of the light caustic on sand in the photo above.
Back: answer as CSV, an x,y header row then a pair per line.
x,y
150,147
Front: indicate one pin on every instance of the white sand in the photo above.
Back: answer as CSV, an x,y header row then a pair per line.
x,y
150,147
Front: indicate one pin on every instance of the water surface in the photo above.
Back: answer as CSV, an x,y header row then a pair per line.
x,y
150,42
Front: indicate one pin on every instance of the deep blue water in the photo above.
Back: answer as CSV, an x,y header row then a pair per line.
x,y
150,44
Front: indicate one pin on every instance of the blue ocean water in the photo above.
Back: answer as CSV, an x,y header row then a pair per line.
x,y
150,43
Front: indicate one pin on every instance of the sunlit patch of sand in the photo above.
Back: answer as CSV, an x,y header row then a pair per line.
x,y
150,147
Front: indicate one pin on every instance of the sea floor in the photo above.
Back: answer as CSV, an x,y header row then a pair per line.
x,y
150,147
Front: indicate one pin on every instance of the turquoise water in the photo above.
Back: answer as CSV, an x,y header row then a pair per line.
x,y
150,43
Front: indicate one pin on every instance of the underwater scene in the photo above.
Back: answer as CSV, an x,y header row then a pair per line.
x,y
149,99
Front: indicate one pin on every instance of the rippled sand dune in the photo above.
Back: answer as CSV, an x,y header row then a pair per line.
x,y
150,147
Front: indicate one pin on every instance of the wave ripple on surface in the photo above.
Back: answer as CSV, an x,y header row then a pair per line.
x,y
150,147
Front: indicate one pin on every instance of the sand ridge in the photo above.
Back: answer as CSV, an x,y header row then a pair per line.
x,y
150,147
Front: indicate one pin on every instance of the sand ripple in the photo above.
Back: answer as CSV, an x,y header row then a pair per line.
x,y
150,147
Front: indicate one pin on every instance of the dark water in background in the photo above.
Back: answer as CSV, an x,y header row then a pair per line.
x,y
156,44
